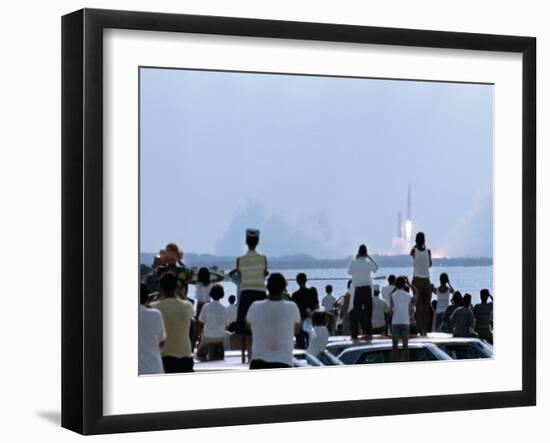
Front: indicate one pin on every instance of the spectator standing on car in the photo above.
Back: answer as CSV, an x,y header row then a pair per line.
x,y
386,291
380,310
273,322
483,314
361,270
307,301
401,308
422,262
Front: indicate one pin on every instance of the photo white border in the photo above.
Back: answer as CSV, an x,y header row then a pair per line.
x,y
126,393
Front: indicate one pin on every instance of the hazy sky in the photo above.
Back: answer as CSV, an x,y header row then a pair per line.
x,y
319,164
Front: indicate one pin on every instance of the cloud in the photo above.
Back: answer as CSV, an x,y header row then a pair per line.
x,y
311,235
473,234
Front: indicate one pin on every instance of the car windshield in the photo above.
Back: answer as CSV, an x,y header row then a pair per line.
x,y
369,356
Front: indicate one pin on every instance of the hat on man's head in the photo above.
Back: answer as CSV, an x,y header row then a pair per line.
x,y
253,233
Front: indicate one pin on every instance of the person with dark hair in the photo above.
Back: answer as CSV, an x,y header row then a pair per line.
x,y
307,301
380,311
318,337
456,302
177,314
342,306
462,319
273,323
212,321
361,270
231,310
483,314
422,262
402,308
252,271
443,295
467,301
329,302
386,291
202,289
151,336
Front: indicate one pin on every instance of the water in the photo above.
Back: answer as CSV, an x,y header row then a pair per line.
x,y
466,279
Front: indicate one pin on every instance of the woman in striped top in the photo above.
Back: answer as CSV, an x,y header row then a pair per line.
x,y
252,270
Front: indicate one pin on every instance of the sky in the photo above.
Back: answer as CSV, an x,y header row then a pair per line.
x,y
318,164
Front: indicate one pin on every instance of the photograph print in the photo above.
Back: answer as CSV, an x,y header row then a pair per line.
x,y
303,221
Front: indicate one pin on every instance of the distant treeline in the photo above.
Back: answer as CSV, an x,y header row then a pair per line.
x,y
304,261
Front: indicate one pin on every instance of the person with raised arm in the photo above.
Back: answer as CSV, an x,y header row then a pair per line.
x,y
443,294
361,270
252,271
422,262
401,309
386,291
483,314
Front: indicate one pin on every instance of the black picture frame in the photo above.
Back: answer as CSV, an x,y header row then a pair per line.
x,y
82,219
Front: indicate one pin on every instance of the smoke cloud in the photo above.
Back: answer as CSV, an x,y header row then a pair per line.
x,y
473,233
311,235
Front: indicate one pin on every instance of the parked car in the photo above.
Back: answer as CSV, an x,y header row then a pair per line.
x,y
459,348
232,362
328,359
381,353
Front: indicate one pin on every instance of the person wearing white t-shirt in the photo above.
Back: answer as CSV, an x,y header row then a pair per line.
x,y
213,321
318,335
422,262
328,302
361,270
205,280
380,309
151,336
386,294
443,294
273,323
401,307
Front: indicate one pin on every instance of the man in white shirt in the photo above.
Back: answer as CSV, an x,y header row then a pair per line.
x,y
380,309
402,308
273,323
151,336
361,270
213,320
